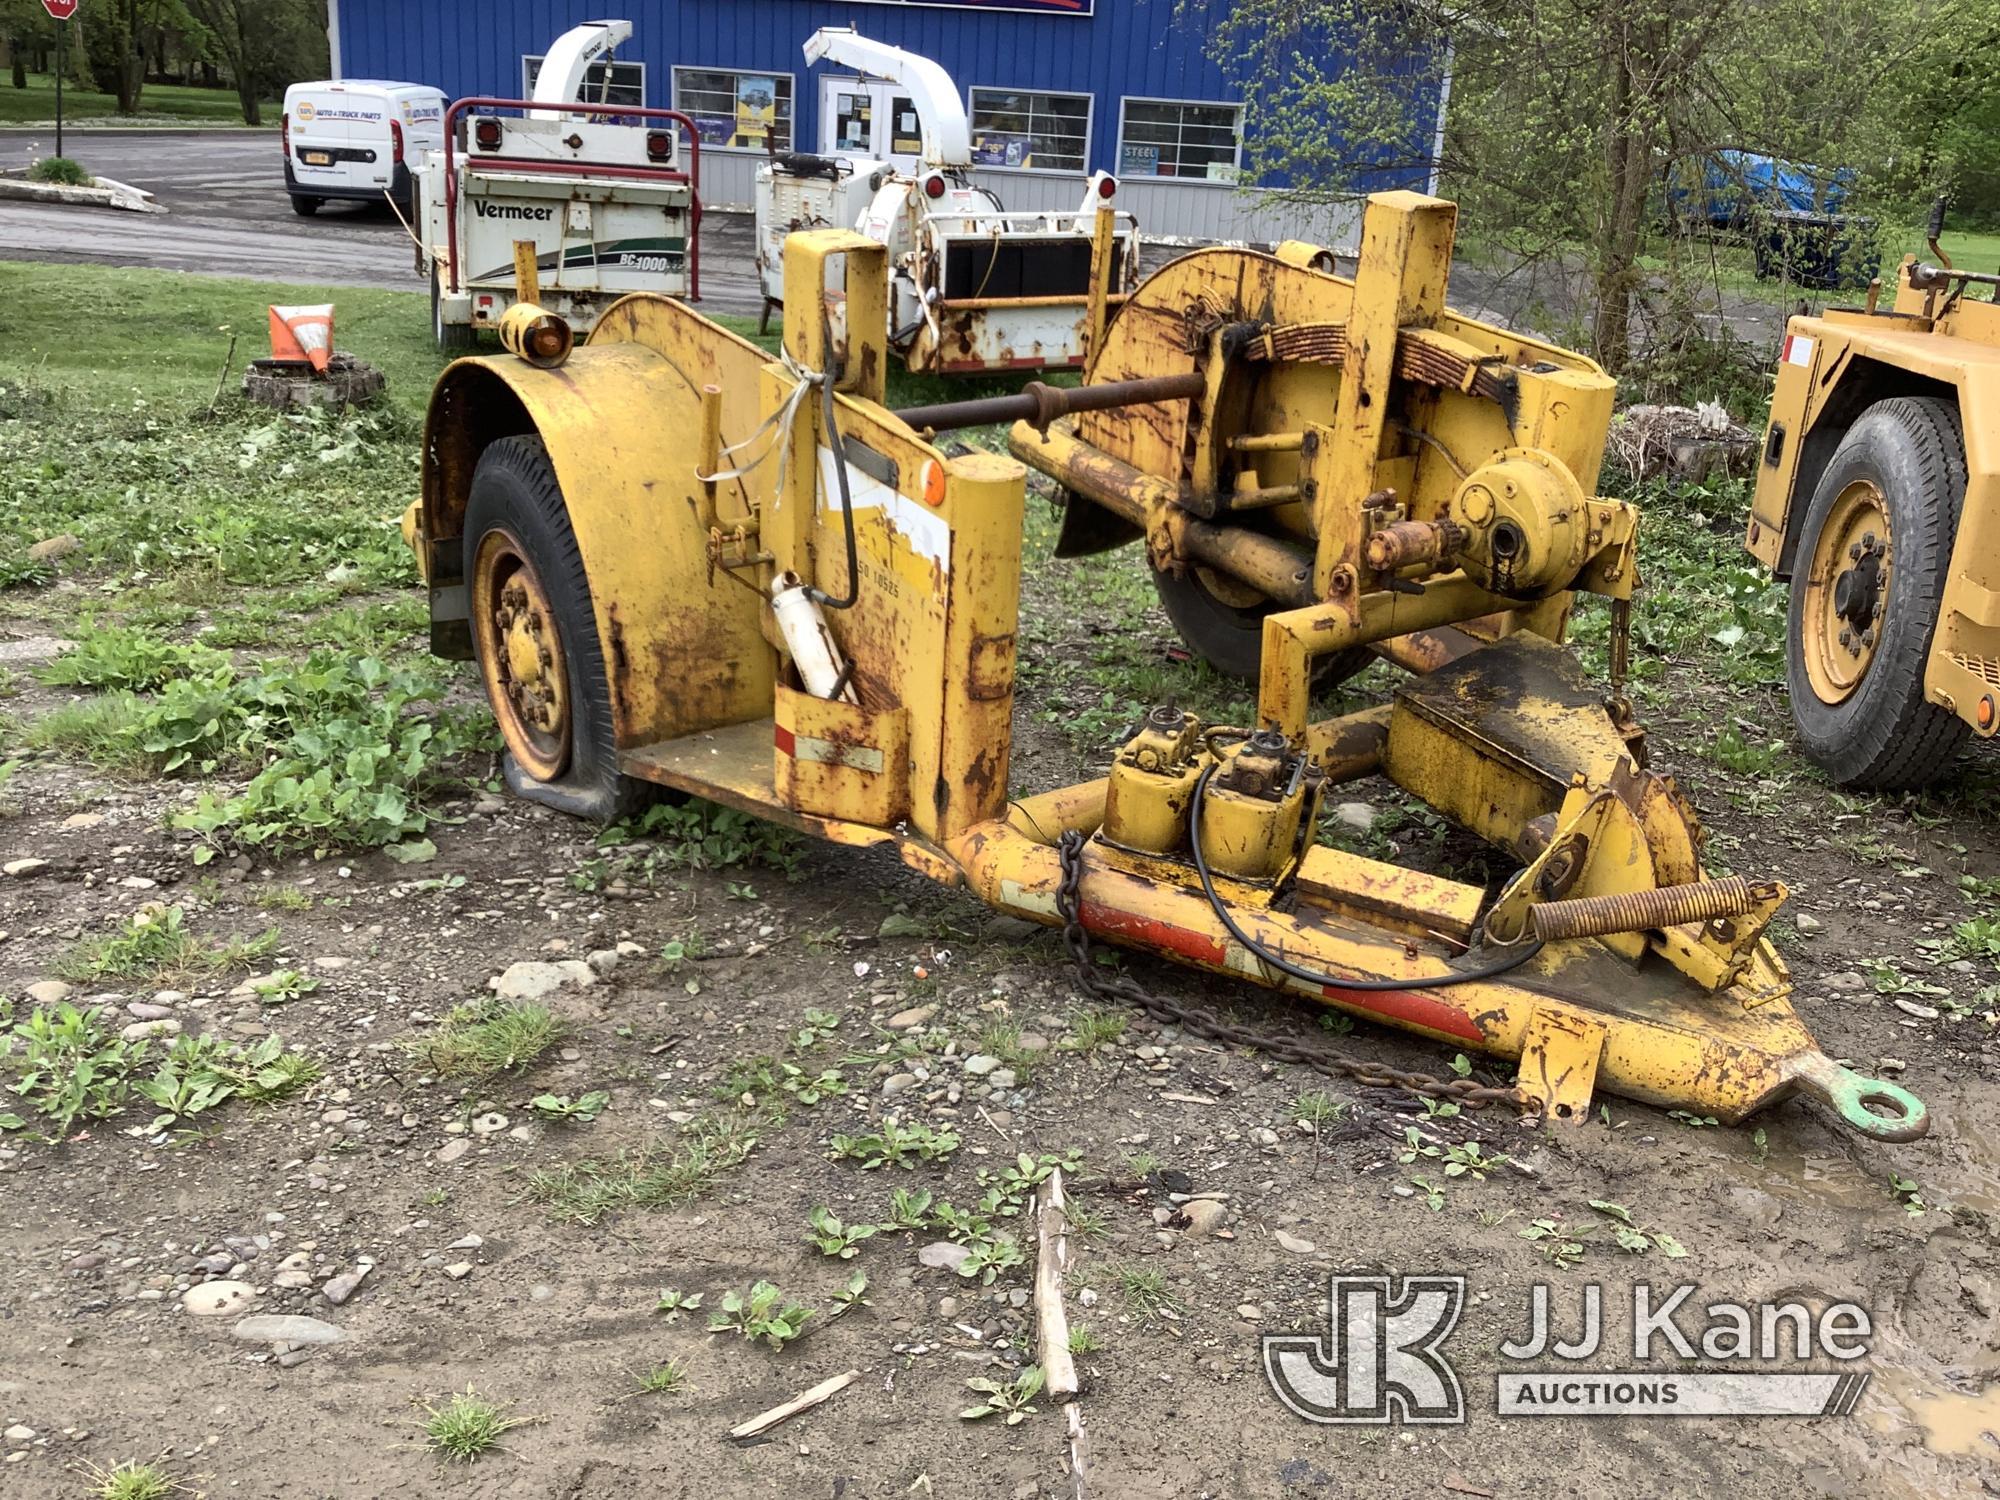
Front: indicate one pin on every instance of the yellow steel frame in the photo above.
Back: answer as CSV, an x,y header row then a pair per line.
x,y
698,474
1919,344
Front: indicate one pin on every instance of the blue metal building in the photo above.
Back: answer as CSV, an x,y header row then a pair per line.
x,y
1056,89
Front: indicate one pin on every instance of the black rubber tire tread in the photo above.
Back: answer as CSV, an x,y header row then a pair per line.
x,y
1231,639
515,486
305,206
1885,736
452,338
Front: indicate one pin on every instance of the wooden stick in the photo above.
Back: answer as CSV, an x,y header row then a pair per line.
x,y
1051,1266
1073,1413
804,1401
228,359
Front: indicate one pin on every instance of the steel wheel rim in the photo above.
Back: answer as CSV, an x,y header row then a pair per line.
x,y
1847,591
521,655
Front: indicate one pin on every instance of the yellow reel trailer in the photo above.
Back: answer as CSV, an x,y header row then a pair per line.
x,y
683,563
1878,498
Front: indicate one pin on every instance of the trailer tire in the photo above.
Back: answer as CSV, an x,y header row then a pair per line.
x,y
304,206
452,338
1230,637
546,680
1858,645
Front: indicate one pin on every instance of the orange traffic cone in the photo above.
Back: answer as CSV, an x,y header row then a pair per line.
x,y
303,333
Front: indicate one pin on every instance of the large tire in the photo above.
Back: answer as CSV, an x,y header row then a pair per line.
x,y
1229,636
304,206
452,338
520,551
1858,644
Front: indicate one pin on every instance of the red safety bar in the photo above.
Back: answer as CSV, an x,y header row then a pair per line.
x,y
578,169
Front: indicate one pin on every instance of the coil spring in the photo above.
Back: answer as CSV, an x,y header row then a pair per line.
x,y
1642,911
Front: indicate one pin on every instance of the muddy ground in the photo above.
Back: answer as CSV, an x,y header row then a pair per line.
x,y
103,1233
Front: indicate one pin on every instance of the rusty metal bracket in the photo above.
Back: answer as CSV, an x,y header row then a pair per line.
x,y
1559,1061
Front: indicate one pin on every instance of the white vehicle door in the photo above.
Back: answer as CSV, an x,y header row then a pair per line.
x,y
859,117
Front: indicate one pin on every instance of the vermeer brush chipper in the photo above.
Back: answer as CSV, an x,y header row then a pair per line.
x,y
682,562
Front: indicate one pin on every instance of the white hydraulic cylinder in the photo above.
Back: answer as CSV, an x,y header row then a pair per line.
x,y
807,638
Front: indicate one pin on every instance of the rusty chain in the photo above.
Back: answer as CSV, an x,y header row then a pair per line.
x,y
1206,1023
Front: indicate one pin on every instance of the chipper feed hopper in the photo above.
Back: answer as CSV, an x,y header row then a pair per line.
x,y
680,562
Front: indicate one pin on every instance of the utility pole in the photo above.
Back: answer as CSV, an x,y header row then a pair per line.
x,y
61,11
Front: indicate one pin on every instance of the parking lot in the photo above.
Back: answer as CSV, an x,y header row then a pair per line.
x,y
227,215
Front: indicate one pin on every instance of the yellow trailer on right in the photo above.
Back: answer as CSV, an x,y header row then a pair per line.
x,y
1878,499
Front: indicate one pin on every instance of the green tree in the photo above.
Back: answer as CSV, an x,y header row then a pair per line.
x,y
26,29
1566,116
116,34
264,45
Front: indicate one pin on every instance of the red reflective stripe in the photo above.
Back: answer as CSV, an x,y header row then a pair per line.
x,y
1411,1008
782,738
1196,946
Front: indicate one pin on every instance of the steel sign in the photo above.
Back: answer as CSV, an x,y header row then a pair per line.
x,y
62,10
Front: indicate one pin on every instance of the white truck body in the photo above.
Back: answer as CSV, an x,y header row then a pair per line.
x,y
357,139
609,207
973,288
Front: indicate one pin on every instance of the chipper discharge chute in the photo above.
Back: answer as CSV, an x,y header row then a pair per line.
x,y
681,562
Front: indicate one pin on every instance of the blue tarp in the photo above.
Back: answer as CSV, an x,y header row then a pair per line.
x,y
1735,184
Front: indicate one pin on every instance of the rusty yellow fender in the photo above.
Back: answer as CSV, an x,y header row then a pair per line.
x,y
616,420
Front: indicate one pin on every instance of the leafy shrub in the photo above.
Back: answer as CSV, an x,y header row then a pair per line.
x,y
67,1064
897,1145
349,762
119,657
698,835
60,170
764,1312
18,569
199,1073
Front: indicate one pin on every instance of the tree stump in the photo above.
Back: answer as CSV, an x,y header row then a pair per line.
x,y
283,384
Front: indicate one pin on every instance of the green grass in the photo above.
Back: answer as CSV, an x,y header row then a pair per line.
x,y
666,1378
96,730
485,1037
158,103
130,1480
1969,249
158,945
656,1176
467,1427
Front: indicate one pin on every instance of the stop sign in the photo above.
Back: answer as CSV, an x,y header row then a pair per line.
x,y
62,10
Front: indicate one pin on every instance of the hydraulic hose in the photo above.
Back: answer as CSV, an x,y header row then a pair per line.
x,y
1313,976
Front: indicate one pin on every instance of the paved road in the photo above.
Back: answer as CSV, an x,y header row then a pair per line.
x,y
228,216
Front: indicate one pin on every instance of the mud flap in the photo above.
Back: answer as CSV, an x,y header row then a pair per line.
x,y
1088,528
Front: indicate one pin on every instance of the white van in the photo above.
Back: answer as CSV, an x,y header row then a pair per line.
x,y
358,138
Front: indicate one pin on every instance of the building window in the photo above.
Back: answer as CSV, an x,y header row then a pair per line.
x,y
1013,128
1167,138
603,82
752,110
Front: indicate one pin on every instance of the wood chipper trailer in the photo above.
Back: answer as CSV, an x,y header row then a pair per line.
x,y
682,563
557,202
1879,499
973,288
